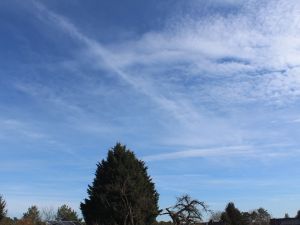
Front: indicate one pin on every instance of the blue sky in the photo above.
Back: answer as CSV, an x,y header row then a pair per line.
x,y
206,92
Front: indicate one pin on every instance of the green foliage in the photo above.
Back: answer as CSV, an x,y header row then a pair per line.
x,y
65,213
298,215
32,216
232,215
3,210
122,192
7,221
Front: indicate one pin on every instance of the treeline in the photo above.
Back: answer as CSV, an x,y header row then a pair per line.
x,y
230,216
233,216
122,193
34,216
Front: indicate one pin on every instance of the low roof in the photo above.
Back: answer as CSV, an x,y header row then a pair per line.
x,y
285,221
63,223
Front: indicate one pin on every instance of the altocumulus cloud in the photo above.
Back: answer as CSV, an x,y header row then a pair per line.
x,y
201,93
249,55
196,63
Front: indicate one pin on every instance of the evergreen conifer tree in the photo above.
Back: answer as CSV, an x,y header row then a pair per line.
x,y
66,213
32,216
122,192
298,215
232,215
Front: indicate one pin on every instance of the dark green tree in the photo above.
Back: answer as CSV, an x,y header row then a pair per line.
x,y
7,221
232,215
32,216
3,210
298,215
122,192
66,213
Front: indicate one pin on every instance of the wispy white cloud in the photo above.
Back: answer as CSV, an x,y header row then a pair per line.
x,y
19,128
264,153
67,105
196,76
104,57
254,53
194,180
295,121
163,90
33,132
194,66
208,152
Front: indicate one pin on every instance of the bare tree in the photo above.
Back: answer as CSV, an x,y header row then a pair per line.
x,y
186,211
215,216
48,214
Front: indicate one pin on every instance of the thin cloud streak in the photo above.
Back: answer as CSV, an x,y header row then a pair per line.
x,y
265,153
22,129
250,63
179,108
205,152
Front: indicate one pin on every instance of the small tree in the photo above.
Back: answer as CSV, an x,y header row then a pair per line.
x,y
48,214
186,211
122,192
7,221
32,216
298,214
232,215
256,217
215,216
262,217
3,210
65,213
